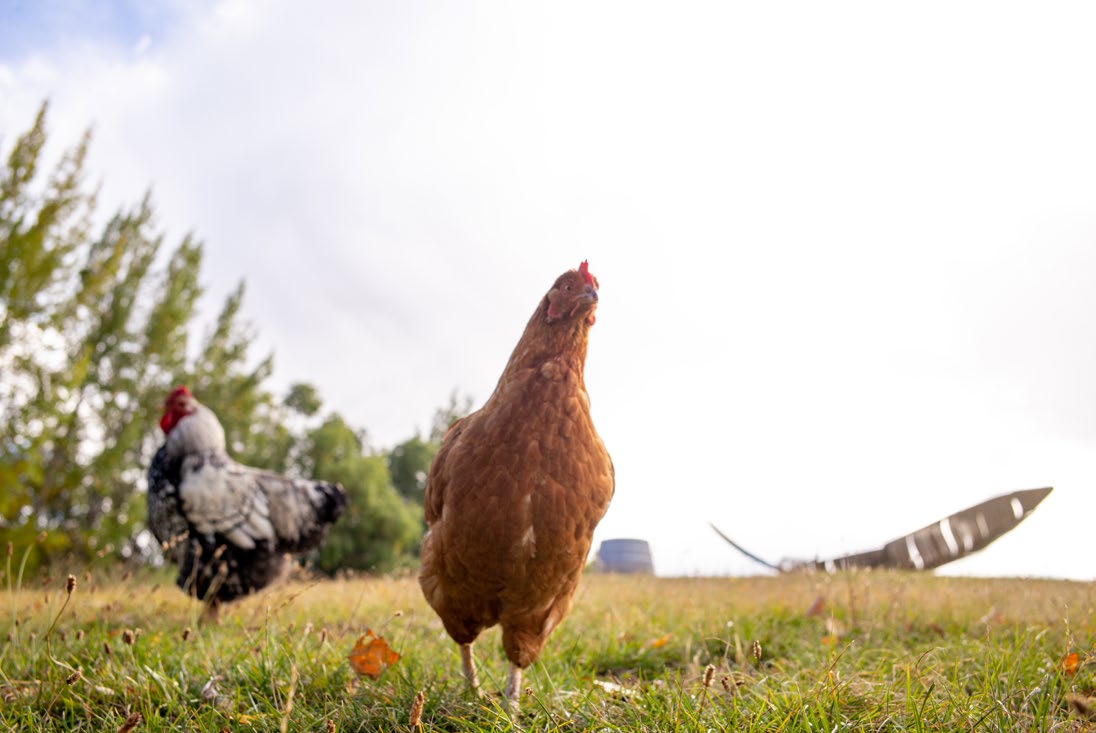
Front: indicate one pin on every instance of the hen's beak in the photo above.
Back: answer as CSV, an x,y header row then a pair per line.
x,y
588,301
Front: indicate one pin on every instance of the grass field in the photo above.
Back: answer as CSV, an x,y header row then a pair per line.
x,y
861,652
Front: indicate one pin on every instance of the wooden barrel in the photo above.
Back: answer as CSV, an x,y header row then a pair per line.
x,y
625,556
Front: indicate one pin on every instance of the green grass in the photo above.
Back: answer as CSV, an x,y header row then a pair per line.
x,y
887,652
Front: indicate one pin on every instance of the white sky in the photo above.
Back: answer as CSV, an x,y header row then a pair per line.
x,y
847,251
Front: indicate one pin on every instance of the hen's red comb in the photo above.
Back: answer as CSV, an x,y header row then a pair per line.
x,y
178,392
584,270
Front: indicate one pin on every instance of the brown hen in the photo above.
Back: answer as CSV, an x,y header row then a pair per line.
x,y
516,490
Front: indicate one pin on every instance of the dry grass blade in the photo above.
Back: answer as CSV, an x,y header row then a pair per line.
x,y
293,677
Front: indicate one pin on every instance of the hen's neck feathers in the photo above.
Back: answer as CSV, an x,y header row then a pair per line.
x,y
198,432
564,339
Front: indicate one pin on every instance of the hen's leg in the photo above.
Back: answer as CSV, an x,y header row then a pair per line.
x,y
468,665
513,687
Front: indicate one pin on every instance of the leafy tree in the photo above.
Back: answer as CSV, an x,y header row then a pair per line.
x,y
92,337
380,530
90,334
40,231
94,334
408,465
303,399
409,462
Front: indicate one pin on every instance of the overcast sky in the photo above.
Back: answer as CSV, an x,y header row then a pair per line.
x,y
847,251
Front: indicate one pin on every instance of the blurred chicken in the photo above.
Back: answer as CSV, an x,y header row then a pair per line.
x,y
516,489
226,525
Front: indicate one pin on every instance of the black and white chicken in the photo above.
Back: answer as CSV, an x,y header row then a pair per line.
x,y
227,526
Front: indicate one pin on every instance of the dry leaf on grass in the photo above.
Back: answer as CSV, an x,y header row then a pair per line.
x,y
371,655
659,642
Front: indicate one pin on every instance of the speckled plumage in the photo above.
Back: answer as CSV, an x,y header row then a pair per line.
x,y
228,526
517,488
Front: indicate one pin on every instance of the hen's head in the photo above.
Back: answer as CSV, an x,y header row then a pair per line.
x,y
574,295
178,405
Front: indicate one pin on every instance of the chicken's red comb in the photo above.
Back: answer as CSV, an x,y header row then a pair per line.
x,y
179,392
584,270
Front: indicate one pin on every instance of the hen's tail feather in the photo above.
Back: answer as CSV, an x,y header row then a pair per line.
x,y
333,503
327,503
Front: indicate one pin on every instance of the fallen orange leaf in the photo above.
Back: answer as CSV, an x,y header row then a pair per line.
x,y
371,655
1070,662
659,642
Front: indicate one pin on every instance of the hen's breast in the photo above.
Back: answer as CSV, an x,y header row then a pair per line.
x,y
529,483
165,517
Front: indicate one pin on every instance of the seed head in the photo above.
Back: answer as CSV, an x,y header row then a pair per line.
x,y
73,678
709,673
186,633
70,584
127,637
755,650
415,719
79,634
331,726
106,649
131,723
